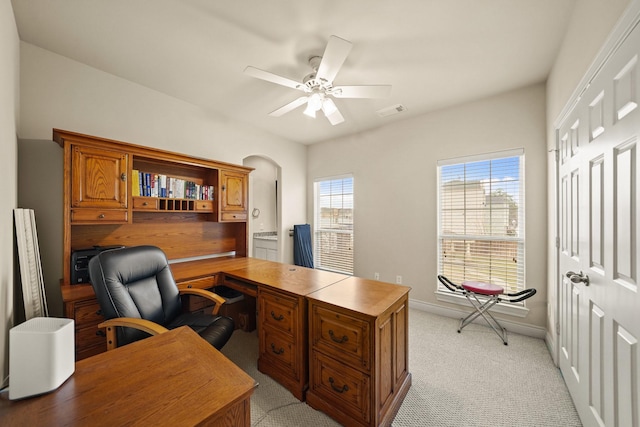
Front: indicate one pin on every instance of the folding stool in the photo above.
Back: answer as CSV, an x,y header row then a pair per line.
x,y
491,294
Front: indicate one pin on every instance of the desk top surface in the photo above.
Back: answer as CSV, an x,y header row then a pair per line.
x,y
289,278
369,297
175,378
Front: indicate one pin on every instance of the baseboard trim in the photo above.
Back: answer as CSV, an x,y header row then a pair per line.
x,y
518,328
551,346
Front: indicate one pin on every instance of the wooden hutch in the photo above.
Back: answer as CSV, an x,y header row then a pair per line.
x,y
102,208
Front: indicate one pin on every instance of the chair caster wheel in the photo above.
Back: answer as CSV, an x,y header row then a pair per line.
x,y
458,330
506,344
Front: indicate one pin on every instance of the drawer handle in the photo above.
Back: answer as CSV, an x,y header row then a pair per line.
x,y
189,286
279,318
101,333
279,351
339,341
145,204
339,390
101,216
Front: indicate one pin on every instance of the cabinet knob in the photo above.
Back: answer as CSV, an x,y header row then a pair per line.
x,y
224,187
123,176
144,203
101,216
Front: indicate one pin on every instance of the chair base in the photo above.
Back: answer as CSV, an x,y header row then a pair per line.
x,y
482,309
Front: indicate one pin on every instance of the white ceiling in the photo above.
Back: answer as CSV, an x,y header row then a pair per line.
x,y
435,53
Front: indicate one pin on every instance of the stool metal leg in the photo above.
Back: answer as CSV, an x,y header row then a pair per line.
x,y
482,309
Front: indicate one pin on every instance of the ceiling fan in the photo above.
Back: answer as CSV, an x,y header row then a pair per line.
x,y
318,85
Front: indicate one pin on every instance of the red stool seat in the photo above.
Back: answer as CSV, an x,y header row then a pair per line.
x,y
483,288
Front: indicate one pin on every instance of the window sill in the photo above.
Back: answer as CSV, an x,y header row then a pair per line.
x,y
516,310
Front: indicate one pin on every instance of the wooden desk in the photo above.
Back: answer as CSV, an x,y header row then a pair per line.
x,y
175,378
282,316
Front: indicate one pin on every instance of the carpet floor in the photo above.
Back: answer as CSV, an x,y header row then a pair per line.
x,y
467,379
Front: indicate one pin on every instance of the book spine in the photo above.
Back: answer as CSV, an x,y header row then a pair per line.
x,y
147,184
135,183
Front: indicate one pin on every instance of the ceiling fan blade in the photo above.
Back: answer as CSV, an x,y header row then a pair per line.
x,y
273,78
288,107
371,91
333,57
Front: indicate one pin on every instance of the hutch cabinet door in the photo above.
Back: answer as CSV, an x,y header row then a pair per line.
x,y
233,197
99,178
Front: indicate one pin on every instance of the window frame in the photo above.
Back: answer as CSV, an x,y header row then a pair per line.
x,y
318,229
442,294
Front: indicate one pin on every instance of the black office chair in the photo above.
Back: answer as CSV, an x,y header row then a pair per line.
x,y
139,297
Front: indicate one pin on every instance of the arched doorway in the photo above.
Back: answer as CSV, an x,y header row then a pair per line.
x,y
265,204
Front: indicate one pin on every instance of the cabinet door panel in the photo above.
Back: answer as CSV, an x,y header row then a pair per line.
x,y
99,178
233,196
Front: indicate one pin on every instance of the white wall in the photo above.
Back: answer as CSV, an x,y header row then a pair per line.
x,y
57,92
9,117
395,181
591,23
263,194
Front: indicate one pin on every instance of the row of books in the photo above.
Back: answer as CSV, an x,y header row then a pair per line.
x,y
157,185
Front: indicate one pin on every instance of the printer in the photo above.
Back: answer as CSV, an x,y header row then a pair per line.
x,y
80,262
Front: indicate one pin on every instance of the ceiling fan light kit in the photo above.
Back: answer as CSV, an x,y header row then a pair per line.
x,y
319,84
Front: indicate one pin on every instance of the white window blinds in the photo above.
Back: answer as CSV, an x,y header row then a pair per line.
x,y
481,219
333,228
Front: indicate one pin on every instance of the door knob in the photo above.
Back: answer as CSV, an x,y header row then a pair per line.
x,y
578,277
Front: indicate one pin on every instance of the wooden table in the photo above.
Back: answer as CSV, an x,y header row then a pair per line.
x,y
175,378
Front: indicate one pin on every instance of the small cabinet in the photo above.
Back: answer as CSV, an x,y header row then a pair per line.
x,y
265,248
358,370
98,178
233,196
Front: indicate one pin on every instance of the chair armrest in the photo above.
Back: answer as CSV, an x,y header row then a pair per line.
x,y
129,322
206,294
453,287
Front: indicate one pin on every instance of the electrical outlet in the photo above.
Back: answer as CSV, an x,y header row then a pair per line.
x,y
376,276
399,280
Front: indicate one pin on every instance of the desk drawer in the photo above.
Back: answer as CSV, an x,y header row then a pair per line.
x,y
200,283
278,349
95,216
204,205
233,216
145,203
90,336
338,334
278,312
344,388
87,313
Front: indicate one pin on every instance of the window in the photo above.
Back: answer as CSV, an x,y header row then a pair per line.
x,y
481,219
333,228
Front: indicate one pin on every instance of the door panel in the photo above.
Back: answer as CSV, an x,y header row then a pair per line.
x,y
599,305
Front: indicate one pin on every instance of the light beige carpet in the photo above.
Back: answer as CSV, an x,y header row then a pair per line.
x,y
467,379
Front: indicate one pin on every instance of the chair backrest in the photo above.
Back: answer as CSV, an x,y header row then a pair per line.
x,y
135,282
